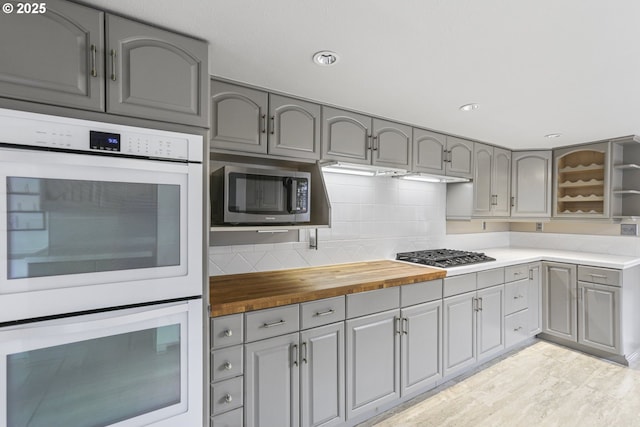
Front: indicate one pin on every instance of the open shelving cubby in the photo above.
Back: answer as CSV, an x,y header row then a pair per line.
x,y
581,181
625,177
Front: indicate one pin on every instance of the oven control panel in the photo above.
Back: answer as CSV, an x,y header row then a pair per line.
x,y
39,130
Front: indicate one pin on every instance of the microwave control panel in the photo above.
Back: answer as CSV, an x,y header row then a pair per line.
x,y
302,195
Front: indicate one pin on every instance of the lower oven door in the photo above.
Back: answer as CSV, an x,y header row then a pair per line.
x,y
130,367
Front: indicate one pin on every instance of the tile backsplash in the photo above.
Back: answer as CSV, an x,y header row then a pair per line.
x,y
371,218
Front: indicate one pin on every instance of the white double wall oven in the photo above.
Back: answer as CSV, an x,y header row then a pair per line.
x,y
101,274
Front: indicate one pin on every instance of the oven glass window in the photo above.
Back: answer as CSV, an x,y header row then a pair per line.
x,y
257,194
60,226
96,382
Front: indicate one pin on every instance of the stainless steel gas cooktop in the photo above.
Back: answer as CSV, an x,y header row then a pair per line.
x,y
444,258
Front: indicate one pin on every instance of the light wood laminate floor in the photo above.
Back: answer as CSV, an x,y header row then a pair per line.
x,y
541,385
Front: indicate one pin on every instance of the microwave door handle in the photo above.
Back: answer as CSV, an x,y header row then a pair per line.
x,y
292,188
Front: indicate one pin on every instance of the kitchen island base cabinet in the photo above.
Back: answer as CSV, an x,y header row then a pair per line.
x,y
373,354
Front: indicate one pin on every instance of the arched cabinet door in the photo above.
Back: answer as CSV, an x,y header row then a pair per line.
x,y
55,57
238,118
294,128
346,136
428,151
391,144
156,74
460,157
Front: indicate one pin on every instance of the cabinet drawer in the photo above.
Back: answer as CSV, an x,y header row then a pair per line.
x,y
370,302
226,330
492,277
516,327
459,284
516,296
516,272
226,363
271,322
228,419
322,312
418,293
226,395
603,276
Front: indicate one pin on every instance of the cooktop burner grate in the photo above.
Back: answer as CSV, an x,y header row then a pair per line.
x,y
444,258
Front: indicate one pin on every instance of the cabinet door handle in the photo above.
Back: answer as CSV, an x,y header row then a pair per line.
x,y
94,73
474,304
113,65
295,355
324,313
480,304
513,201
369,138
304,352
530,274
273,125
264,123
375,143
272,324
405,325
398,327
447,156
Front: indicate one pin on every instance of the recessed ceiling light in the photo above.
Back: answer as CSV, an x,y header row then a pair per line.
x,y
325,57
553,135
469,107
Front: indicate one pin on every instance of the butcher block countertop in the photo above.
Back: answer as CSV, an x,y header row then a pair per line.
x,y
237,293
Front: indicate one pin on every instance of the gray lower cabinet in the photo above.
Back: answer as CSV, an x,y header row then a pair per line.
x,y
156,74
490,322
599,316
55,57
559,300
322,376
534,298
76,55
459,335
373,355
531,184
421,346
249,120
272,382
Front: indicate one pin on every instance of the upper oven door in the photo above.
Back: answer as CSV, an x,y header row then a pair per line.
x,y
85,232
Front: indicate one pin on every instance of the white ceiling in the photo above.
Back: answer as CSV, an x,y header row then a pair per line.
x,y
534,66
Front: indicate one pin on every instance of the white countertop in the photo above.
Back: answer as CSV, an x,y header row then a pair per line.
x,y
512,256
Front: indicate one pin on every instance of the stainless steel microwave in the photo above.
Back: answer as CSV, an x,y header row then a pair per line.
x,y
244,195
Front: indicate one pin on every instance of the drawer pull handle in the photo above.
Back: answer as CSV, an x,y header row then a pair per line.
x,y
325,313
228,332
599,276
227,366
518,296
518,273
228,398
517,329
271,325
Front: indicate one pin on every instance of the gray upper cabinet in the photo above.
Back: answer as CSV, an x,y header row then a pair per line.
x,y
531,184
491,181
156,74
68,57
54,58
428,151
346,136
459,157
294,128
253,121
391,144
238,118
356,138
